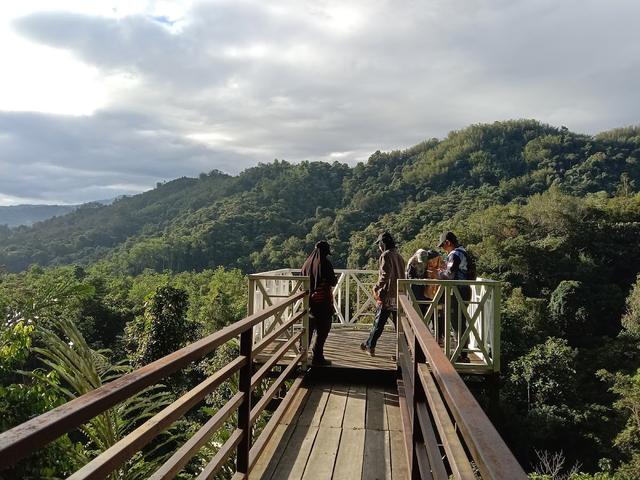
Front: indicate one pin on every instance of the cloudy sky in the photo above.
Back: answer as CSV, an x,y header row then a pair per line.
x,y
100,98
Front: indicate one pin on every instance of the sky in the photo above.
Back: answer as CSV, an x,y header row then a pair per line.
x,y
108,97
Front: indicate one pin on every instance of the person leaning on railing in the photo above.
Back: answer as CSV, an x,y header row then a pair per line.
x,y
322,279
385,290
456,268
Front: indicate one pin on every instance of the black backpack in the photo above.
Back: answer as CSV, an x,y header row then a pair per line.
x,y
472,272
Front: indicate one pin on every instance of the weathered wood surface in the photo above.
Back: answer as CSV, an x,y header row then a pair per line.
x,y
343,349
337,431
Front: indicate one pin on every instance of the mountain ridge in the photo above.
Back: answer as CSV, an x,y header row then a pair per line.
x,y
274,211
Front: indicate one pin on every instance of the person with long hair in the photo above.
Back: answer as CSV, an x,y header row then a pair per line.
x,y
322,279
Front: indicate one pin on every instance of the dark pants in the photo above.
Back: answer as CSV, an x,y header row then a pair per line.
x,y
382,314
320,322
465,293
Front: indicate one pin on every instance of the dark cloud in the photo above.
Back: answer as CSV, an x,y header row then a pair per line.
x,y
71,159
241,82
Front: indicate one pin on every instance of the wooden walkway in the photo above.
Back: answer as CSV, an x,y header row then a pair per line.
x,y
337,431
343,349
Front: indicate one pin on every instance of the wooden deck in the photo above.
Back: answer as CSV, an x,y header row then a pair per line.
x,y
343,349
337,431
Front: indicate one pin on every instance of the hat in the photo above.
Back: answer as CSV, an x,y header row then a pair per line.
x,y
385,238
447,236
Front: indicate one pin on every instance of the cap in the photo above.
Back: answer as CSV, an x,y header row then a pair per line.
x,y
447,236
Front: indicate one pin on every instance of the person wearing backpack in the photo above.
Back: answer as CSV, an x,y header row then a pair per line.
x,y
460,265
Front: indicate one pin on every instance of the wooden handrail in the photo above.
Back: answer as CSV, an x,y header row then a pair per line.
x,y
262,344
117,454
33,434
182,456
489,452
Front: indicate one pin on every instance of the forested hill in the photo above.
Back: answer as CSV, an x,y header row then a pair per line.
x,y
270,215
15,215
553,215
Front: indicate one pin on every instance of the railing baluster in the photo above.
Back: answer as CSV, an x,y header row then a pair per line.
x,y
305,326
495,347
418,397
244,412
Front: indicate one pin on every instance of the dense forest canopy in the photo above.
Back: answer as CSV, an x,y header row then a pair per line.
x,y
553,214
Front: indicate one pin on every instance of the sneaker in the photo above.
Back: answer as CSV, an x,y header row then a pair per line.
x,y
370,351
321,362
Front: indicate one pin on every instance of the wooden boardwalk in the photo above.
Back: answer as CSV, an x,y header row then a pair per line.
x,y
343,349
337,431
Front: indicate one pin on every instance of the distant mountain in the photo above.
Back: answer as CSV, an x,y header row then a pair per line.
x,y
270,215
16,215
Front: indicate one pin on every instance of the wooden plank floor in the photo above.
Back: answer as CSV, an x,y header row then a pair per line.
x,y
337,432
343,349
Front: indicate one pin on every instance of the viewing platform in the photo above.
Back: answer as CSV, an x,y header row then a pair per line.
x,y
403,413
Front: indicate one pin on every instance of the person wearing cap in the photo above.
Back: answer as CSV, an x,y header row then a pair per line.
x,y
385,290
456,269
322,279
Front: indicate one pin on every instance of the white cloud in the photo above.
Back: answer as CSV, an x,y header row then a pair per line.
x,y
169,88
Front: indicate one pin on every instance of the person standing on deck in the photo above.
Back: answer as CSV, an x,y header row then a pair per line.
x,y
385,290
456,268
322,279
422,265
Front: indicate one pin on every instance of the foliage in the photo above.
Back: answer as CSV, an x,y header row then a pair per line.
x,y
553,215
81,370
631,319
162,329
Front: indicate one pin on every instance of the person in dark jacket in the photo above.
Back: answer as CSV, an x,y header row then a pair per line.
x,y
385,290
456,269
322,279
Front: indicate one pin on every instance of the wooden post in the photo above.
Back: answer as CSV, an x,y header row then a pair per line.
x,y
305,325
447,320
347,318
497,319
251,305
244,411
418,397
400,289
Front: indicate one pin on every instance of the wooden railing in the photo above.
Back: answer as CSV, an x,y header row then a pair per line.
x,y
446,430
24,439
352,296
469,326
